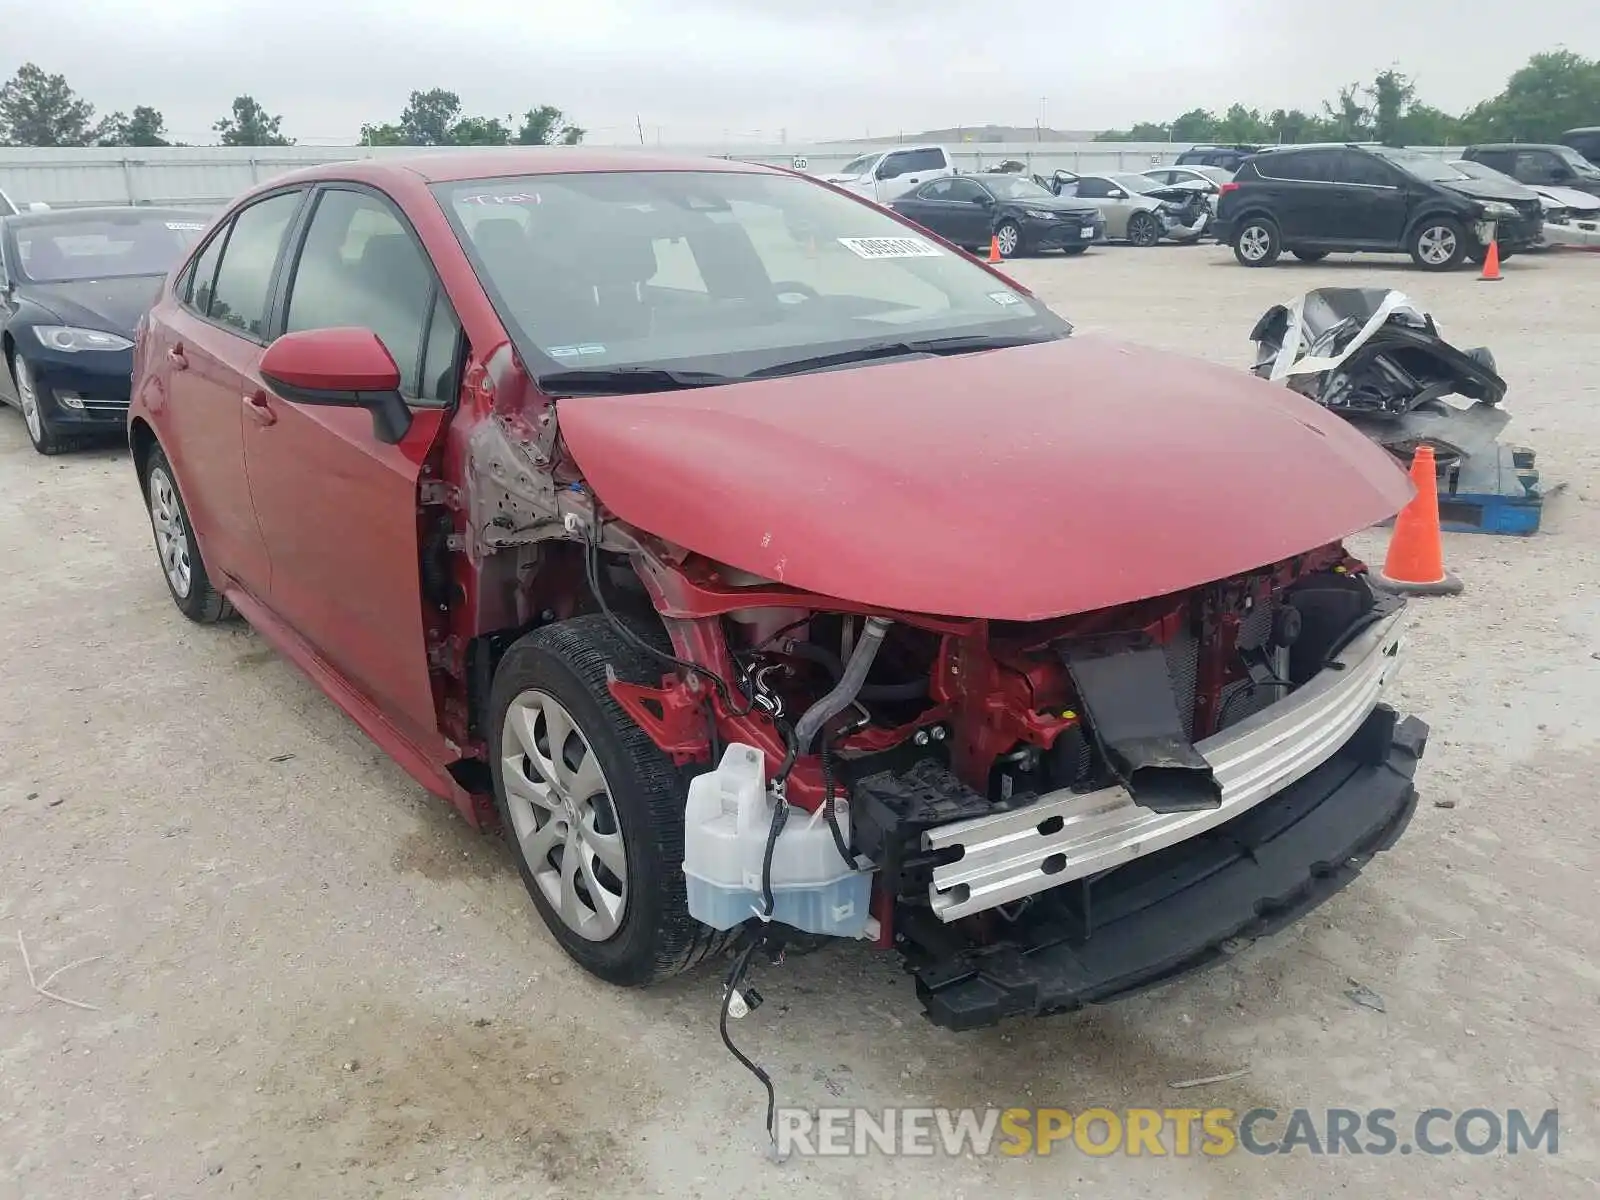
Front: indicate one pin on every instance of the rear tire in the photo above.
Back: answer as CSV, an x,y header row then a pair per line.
x,y
1258,242
1073,249
176,548
623,799
1310,256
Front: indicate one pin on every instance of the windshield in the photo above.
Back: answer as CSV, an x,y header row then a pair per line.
x,y
1434,170
1017,187
69,248
1580,165
1476,170
859,166
1134,183
716,272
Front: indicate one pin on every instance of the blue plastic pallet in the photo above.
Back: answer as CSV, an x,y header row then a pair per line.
x,y
1497,491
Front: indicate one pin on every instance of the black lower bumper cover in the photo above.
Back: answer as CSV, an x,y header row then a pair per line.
x,y
1175,911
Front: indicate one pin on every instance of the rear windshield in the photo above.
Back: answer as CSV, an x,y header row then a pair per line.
x,y
1016,187
716,271
68,248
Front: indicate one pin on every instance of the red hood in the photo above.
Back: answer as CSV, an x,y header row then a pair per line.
x,y
1013,484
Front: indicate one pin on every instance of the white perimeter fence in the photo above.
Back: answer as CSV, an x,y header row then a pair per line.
x,y
209,176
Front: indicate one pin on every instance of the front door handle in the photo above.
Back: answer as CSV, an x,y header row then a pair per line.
x,y
258,410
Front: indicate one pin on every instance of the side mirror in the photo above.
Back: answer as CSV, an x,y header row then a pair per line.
x,y
1117,195
343,368
984,201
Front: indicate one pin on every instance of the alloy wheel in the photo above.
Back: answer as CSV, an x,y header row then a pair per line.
x,y
1009,239
1437,245
172,535
29,400
563,816
1254,243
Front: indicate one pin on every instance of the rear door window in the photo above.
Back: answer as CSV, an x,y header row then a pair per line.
x,y
931,159
201,280
1355,167
1304,166
241,295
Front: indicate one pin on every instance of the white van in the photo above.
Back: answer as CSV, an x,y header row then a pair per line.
x,y
885,174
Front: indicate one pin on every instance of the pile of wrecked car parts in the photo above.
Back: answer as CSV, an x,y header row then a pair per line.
x,y
1379,361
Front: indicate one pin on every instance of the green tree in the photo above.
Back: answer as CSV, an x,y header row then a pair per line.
x,y
250,125
1347,119
1196,125
480,131
547,125
41,110
146,127
382,135
1241,124
1424,125
1392,94
1553,92
429,118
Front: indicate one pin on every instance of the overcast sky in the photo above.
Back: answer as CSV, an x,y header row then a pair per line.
x,y
692,69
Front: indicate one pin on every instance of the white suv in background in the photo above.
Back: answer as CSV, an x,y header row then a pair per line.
x,y
884,175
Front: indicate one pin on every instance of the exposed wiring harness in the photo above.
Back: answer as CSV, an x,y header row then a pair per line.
x,y
730,989
828,808
592,570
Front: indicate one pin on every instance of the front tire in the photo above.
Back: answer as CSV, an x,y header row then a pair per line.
x,y
41,433
591,807
1144,230
1073,250
1009,237
1438,244
176,548
1311,256
1258,243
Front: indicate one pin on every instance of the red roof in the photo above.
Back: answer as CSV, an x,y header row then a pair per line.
x,y
449,165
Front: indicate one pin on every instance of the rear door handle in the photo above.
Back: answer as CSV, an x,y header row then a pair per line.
x,y
176,358
258,410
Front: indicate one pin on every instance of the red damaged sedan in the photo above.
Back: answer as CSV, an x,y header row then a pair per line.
x,y
769,570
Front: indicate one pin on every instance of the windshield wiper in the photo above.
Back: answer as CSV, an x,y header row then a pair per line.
x,y
606,381
958,344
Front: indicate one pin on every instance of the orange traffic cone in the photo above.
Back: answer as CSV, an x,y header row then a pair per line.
x,y
1491,261
994,249
1415,564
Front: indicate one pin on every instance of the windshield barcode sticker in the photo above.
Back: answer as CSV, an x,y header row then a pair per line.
x,y
197,226
891,247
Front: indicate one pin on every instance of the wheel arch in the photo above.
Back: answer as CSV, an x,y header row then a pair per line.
x,y
141,440
1254,213
1433,213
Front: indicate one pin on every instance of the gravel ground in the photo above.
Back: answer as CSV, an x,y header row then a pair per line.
x,y
310,979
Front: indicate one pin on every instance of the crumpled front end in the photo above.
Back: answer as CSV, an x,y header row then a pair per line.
x,y
1375,358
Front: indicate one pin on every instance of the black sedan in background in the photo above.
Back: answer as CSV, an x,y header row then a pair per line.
x,y
1013,210
73,284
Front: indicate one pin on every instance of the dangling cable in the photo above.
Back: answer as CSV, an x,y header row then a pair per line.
x,y
730,988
